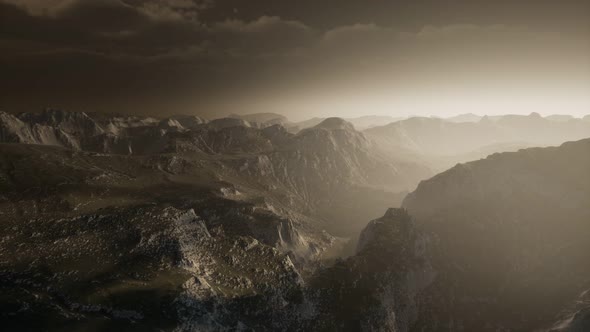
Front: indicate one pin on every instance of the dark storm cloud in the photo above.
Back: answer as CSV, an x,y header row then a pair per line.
x,y
115,28
178,55
408,14
107,26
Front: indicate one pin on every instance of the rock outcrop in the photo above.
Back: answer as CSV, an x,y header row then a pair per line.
x,y
378,288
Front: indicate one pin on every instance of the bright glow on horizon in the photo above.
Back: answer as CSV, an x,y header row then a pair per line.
x,y
546,104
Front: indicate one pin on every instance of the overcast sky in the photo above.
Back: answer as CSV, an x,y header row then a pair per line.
x,y
301,58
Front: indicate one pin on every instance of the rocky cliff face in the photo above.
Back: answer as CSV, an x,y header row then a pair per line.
x,y
376,289
512,233
334,170
36,131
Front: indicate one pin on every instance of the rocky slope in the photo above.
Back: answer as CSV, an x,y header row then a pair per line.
x,y
79,131
103,242
180,241
376,289
512,233
327,167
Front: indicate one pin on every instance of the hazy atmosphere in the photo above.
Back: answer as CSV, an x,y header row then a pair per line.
x,y
266,165
297,58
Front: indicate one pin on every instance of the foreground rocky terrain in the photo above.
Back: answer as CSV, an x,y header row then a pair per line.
x,y
119,223
94,241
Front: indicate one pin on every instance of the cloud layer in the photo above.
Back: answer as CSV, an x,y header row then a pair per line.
x,y
168,56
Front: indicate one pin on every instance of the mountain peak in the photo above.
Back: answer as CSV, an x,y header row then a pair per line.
x,y
57,113
67,121
335,124
535,115
396,213
386,230
189,121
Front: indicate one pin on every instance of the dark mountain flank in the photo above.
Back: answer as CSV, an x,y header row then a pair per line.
x,y
512,238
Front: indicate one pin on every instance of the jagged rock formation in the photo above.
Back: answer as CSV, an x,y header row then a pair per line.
x,y
189,121
376,289
73,123
48,128
326,167
78,131
142,268
335,169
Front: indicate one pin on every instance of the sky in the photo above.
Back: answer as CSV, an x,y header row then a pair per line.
x,y
303,58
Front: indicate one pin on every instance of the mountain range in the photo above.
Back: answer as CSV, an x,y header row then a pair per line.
x,y
114,222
